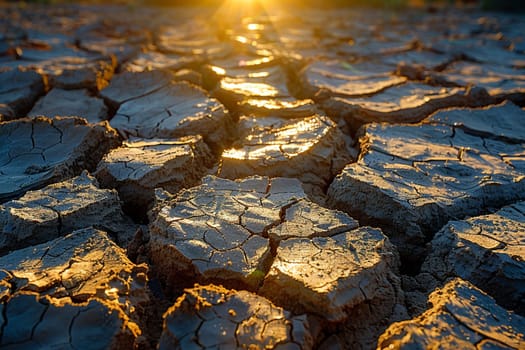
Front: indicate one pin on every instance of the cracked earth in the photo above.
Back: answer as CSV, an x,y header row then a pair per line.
x,y
183,178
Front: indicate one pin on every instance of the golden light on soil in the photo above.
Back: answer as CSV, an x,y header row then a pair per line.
x,y
246,88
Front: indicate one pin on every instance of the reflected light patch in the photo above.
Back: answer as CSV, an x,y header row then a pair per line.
x,y
301,128
255,62
236,154
259,75
241,39
249,89
277,104
255,26
218,70
112,293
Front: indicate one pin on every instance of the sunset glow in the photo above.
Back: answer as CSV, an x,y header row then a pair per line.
x,y
239,11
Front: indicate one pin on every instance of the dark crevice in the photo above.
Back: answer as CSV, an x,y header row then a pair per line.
x,y
196,338
411,265
111,109
59,219
32,136
4,323
486,135
41,318
515,207
70,329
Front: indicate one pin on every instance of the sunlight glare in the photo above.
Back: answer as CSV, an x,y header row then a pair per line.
x,y
246,2
241,39
255,26
259,75
239,11
256,61
218,70
249,89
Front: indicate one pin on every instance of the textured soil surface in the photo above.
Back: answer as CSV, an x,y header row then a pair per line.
x,y
184,178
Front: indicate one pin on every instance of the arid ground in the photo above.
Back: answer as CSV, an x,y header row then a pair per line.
x,y
249,176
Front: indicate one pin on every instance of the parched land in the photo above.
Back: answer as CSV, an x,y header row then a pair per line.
x,y
262,178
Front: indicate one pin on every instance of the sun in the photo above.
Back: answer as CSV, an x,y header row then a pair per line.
x,y
248,1
235,10
251,3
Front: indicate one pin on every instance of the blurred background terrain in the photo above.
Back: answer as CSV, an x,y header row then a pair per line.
x,y
498,5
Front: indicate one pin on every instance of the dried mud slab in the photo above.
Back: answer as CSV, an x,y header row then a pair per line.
x,y
151,61
367,46
175,110
60,208
422,59
348,279
192,38
31,322
256,85
214,317
406,103
330,275
215,232
65,66
312,149
49,47
282,108
505,122
461,317
19,90
79,103
487,251
131,85
238,66
121,49
120,32
493,52
411,180
289,39
339,78
141,165
40,151
237,85
305,219
324,265
91,73
83,265
500,82
242,62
